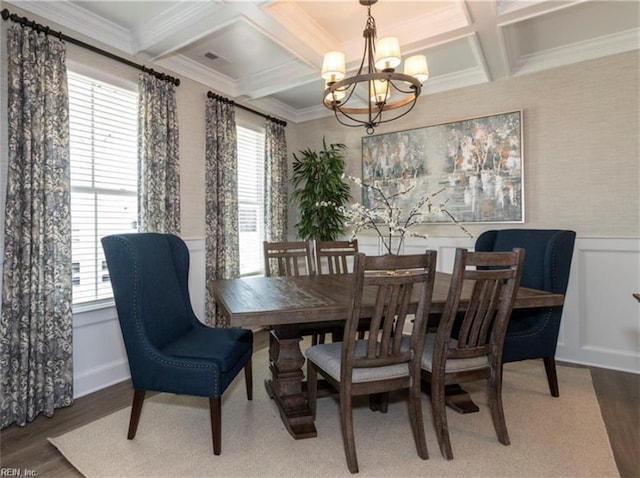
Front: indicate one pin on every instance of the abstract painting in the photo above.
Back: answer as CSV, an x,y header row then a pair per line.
x,y
476,164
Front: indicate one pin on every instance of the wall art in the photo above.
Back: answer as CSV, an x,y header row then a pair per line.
x,y
476,164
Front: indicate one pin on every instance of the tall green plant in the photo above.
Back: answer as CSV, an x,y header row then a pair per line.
x,y
320,192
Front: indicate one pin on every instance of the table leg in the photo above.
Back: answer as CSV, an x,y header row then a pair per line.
x,y
285,386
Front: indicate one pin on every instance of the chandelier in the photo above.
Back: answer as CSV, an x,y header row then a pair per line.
x,y
388,94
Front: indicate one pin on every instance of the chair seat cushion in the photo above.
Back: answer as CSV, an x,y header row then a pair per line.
x,y
453,365
329,356
224,346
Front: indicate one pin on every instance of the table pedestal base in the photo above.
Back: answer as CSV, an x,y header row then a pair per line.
x,y
456,398
285,387
459,400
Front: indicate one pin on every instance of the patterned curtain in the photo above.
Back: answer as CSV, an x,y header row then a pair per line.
x,y
276,182
159,163
36,324
221,189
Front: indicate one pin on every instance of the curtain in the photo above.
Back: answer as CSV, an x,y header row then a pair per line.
x,y
159,163
276,182
36,321
221,190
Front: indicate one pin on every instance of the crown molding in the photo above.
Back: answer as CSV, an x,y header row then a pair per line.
x,y
452,81
577,52
184,66
281,77
75,18
178,17
273,108
312,113
303,27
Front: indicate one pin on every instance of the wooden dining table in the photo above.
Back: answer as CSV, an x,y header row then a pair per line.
x,y
283,303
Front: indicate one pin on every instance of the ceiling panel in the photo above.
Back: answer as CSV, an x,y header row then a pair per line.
x,y
450,57
242,51
573,25
270,51
340,18
129,15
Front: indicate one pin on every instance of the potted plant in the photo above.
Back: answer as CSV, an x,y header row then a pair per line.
x,y
320,192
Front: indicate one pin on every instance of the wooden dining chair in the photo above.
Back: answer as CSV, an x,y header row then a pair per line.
x,y
335,257
468,347
286,259
387,359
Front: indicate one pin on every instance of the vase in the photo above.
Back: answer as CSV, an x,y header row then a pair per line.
x,y
391,245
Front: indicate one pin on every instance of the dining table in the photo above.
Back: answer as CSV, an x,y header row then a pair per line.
x,y
281,304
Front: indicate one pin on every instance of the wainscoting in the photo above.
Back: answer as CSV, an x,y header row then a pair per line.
x,y
600,326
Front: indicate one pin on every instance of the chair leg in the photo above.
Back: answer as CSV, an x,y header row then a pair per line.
x,y
248,378
494,396
312,388
346,420
552,376
439,410
417,420
216,424
136,409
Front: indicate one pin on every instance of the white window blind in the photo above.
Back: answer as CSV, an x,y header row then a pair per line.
x,y
250,199
103,130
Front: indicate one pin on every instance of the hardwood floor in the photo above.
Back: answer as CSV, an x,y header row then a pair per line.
x,y
26,448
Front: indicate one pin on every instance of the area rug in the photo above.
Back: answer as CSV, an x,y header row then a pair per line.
x,y
550,437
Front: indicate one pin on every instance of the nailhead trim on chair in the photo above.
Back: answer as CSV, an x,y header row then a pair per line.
x,y
144,342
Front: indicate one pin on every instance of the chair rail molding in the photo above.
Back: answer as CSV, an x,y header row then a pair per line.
x,y
600,325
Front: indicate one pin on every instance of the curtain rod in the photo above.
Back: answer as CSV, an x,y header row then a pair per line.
x,y
6,15
212,95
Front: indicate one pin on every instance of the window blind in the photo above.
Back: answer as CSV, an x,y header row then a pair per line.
x,y
250,199
103,131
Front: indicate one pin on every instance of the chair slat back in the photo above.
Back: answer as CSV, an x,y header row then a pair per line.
x,y
335,257
392,280
287,258
482,328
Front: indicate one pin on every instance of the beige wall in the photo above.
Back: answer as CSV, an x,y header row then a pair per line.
x,y
581,146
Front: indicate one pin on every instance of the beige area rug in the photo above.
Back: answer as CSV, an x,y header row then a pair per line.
x,y
550,437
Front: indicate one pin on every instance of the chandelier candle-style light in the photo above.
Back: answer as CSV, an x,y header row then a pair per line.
x,y
385,89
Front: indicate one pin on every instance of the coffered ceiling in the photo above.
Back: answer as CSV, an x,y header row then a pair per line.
x,y
267,54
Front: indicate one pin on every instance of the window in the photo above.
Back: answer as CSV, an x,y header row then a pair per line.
x,y
250,199
103,130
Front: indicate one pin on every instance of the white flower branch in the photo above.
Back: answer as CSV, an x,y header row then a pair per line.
x,y
386,213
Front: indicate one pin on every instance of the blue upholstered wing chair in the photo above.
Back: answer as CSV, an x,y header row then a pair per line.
x,y
169,349
533,333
